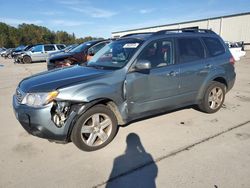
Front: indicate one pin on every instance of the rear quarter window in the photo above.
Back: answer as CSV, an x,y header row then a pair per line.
x,y
49,48
60,47
214,46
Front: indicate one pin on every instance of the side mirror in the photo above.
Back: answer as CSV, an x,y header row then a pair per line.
x,y
143,65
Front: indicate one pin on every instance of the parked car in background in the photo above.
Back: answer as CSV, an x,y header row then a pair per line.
x,y
236,49
77,55
18,52
2,49
133,77
40,52
66,49
7,53
18,49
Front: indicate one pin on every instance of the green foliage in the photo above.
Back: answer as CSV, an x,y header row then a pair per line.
x,y
26,34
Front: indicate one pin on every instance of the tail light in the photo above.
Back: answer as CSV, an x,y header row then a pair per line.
x,y
232,60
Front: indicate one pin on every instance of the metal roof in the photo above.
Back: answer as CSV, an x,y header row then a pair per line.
x,y
213,18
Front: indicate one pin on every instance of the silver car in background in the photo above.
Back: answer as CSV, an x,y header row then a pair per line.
x,y
40,52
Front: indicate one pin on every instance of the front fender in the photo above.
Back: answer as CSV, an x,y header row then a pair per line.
x,y
92,91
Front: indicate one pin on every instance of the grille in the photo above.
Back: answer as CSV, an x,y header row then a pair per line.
x,y
19,95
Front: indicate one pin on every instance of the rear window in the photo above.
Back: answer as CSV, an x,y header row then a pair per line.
x,y
60,47
190,49
49,48
214,46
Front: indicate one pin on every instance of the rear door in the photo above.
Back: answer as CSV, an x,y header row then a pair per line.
x,y
193,67
158,87
49,48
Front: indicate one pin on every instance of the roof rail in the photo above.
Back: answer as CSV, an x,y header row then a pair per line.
x,y
184,30
131,34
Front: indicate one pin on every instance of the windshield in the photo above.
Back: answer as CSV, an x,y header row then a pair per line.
x,y
68,48
20,47
115,55
81,47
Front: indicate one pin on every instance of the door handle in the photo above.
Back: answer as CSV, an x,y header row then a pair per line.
x,y
172,73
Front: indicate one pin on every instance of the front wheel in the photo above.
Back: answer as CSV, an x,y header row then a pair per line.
x,y
95,128
27,59
213,98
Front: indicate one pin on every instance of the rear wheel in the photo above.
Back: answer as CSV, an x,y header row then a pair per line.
x,y
94,129
27,59
213,98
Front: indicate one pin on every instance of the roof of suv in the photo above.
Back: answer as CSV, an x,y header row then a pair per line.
x,y
147,35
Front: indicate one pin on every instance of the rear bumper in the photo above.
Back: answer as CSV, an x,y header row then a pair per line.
x,y
231,82
38,122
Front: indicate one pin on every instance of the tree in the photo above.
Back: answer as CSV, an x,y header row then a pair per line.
x,y
26,34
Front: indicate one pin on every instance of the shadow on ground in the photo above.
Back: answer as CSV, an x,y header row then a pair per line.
x,y
135,159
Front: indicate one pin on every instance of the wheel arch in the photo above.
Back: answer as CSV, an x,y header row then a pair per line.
x,y
111,105
101,101
26,55
218,78
221,80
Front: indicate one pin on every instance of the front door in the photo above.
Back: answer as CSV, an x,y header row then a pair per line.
x,y
155,88
37,53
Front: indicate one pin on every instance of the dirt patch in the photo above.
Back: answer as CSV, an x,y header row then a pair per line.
x,y
243,98
230,107
25,149
242,136
186,123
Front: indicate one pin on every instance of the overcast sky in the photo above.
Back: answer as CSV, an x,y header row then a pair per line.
x,y
101,17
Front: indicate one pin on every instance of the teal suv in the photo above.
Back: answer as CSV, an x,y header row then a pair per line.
x,y
136,76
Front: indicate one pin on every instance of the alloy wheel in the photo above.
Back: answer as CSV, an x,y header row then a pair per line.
x,y
96,129
215,98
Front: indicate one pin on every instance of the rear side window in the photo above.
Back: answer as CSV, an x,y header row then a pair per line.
x,y
49,48
60,47
190,49
214,46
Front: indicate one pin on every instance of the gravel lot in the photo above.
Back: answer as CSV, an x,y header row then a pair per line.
x,y
185,148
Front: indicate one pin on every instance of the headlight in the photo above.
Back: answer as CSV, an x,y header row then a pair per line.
x,y
39,99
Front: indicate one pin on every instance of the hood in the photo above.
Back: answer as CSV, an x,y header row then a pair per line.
x,y
61,55
58,78
56,53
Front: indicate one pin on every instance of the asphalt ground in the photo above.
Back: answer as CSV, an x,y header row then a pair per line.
x,y
184,148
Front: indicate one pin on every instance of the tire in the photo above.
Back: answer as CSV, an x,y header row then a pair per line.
x,y
27,59
95,128
213,98
9,56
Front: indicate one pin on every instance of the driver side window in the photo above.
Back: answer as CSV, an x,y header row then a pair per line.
x,y
159,53
38,48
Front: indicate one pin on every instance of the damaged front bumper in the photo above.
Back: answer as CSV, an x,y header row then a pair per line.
x,y
38,121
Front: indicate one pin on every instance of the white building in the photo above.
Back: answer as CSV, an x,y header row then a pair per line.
x,y
233,28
